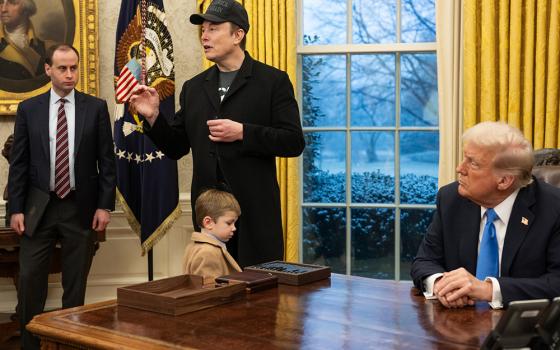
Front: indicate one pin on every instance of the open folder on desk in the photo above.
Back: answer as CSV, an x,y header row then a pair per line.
x,y
35,205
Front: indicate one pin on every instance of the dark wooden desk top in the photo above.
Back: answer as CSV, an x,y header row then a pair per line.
x,y
341,313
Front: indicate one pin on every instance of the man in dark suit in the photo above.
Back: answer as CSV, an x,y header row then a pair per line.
x,y
495,235
236,116
62,148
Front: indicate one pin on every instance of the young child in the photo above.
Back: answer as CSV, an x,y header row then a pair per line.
x,y
216,214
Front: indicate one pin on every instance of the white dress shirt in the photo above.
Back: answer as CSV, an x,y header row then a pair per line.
x,y
503,210
70,111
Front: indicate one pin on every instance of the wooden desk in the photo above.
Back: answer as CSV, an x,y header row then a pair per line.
x,y
343,312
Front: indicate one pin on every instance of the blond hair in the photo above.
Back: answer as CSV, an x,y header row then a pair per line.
x,y
215,203
513,153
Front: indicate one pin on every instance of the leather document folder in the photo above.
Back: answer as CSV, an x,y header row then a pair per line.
x,y
254,281
35,205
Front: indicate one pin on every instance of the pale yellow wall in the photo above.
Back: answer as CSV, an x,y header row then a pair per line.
x,y
187,64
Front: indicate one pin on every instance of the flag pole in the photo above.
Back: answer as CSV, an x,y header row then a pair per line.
x,y
151,265
143,12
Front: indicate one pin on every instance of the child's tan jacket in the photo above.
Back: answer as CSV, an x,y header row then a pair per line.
x,y
206,257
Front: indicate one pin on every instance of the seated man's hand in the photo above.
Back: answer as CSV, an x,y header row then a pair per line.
x,y
455,304
460,302
459,288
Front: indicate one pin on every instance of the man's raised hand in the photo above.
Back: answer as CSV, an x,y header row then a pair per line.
x,y
145,101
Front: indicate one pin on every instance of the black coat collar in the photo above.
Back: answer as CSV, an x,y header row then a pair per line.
x,y
211,81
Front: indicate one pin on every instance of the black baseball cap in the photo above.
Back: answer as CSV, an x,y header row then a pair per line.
x,y
221,11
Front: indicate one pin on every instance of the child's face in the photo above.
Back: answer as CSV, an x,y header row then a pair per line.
x,y
224,227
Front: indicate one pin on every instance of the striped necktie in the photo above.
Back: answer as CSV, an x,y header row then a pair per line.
x,y
62,163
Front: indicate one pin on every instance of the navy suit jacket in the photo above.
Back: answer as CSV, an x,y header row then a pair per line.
x,y
530,267
94,156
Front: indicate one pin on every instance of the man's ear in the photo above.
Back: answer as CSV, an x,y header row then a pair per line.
x,y
47,69
239,35
207,222
505,182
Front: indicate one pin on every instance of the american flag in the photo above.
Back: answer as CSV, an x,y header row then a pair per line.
x,y
128,79
147,180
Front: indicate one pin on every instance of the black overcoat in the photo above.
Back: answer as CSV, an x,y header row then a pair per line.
x,y
262,99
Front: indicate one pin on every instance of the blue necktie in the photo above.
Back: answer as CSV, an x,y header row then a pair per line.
x,y
488,259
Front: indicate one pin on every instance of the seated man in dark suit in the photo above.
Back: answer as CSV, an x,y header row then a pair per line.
x,y
495,235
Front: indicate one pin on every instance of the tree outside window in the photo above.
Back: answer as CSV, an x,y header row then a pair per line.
x,y
370,117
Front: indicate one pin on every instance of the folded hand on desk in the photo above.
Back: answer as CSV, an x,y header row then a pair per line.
x,y
459,288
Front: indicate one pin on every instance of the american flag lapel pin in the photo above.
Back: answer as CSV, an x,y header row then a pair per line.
x,y
524,221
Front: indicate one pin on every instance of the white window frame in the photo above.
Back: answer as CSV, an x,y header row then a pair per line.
x,y
449,126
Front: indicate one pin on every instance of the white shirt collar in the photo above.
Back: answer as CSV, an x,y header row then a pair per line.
x,y
19,35
504,208
212,236
70,98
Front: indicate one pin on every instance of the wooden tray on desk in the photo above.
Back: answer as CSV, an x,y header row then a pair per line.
x,y
292,273
254,281
178,295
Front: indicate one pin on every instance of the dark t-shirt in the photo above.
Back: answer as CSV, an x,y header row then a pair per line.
x,y
224,82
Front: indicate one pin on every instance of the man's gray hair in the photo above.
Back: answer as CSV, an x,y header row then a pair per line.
x,y
513,152
29,7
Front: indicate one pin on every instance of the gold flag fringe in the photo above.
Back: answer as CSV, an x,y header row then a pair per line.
x,y
158,234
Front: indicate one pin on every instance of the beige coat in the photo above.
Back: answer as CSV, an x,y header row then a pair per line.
x,y
206,257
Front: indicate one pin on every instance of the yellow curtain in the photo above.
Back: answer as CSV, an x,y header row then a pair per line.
x,y
511,66
272,40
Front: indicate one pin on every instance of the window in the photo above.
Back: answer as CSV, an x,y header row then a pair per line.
x,y
370,115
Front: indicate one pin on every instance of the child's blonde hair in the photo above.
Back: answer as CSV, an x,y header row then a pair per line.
x,y
215,203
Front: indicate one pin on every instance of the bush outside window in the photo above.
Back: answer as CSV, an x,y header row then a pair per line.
x,y
370,116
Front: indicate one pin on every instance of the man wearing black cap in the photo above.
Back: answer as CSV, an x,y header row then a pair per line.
x,y
236,116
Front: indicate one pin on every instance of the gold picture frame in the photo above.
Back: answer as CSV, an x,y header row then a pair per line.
x,y
69,21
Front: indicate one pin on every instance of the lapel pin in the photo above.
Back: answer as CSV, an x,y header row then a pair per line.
x,y
524,221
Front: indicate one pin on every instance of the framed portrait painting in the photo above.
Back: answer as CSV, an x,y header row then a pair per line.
x,y
27,29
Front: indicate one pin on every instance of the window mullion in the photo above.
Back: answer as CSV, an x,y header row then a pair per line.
x,y
348,165
397,166
398,21
349,38
299,84
367,48
397,147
